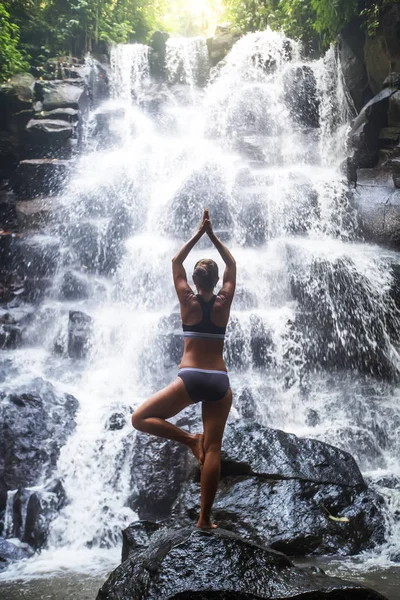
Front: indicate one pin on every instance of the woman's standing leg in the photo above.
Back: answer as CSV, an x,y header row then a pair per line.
x,y
215,415
151,417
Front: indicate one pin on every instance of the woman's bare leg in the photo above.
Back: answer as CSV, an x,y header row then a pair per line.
x,y
215,415
151,417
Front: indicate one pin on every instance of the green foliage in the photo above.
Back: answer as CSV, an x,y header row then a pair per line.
x,y
371,14
315,22
11,59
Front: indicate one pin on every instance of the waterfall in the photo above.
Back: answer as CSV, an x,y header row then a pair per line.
x,y
312,342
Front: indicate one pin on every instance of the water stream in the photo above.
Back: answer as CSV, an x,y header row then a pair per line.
x,y
312,346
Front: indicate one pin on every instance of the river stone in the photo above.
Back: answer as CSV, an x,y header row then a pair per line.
x,y
226,35
291,516
280,455
365,131
15,95
394,110
300,93
351,55
35,422
40,177
42,507
10,553
159,469
190,564
80,326
63,94
61,114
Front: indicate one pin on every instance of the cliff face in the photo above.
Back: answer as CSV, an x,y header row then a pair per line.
x,y
371,70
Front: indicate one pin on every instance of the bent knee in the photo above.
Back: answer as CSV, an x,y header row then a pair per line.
x,y
137,421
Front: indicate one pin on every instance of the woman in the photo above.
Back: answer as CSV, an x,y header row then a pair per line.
x,y
202,374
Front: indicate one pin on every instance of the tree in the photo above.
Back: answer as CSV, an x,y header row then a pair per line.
x,y
11,59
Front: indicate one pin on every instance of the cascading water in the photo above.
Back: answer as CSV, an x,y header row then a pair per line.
x,y
259,147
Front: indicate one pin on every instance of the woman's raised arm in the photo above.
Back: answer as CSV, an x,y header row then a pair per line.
x,y
229,280
178,270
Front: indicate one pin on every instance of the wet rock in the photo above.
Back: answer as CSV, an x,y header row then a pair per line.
x,y
34,214
226,35
40,256
71,115
300,93
204,187
351,56
74,286
63,94
10,336
341,322
79,334
35,422
157,57
281,490
394,110
15,95
182,564
42,508
261,343
291,516
235,342
49,138
9,155
254,222
137,537
365,131
116,421
40,177
10,552
159,469
382,50
378,205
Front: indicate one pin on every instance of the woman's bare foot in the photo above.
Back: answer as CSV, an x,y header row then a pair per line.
x,y
201,524
197,448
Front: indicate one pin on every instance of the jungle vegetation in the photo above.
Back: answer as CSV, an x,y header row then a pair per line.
x,y
31,31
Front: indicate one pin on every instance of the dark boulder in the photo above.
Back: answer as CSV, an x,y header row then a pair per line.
x,y
378,204
48,138
35,422
10,552
351,56
71,115
254,223
275,489
365,131
204,187
292,516
16,95
9,155
226,35
74,286
137,537
33,511
116,421
40,177
63,94
280,455
286,492
189,564
159,469
79,334
342,320
158,44
382,50
300,94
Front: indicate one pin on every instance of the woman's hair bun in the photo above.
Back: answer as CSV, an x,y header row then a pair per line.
x,y
206,272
